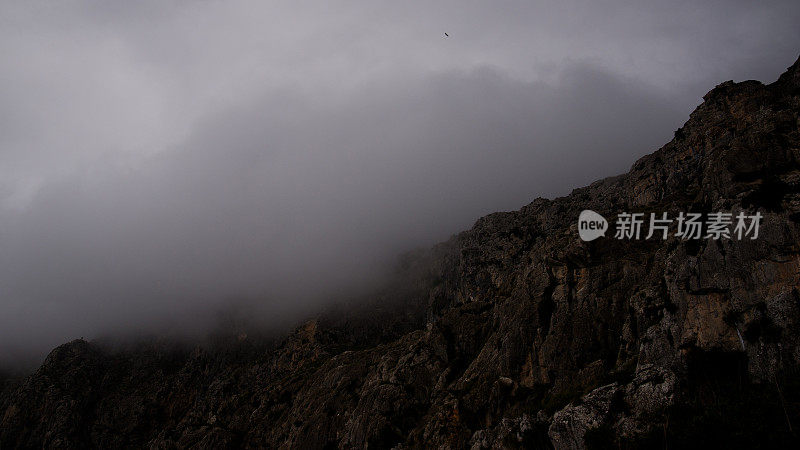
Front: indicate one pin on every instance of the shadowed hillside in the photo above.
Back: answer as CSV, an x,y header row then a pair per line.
x,y
513,334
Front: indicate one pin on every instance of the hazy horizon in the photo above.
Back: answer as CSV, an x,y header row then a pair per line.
x,y
159,160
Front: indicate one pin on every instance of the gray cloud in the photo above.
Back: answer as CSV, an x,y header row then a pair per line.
x,y
156,163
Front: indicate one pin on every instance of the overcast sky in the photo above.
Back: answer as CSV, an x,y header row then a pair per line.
x,y
158,159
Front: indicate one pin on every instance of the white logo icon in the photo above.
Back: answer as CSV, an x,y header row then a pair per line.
x,y
591,225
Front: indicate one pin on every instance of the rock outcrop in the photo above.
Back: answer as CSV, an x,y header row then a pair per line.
x,y
513,334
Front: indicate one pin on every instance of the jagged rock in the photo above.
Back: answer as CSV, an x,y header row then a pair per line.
x,y
513,334
570,425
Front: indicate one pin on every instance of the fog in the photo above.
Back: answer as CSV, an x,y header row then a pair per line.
x,y
161,161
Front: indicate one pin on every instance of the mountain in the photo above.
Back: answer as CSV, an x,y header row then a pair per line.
x,y
515,333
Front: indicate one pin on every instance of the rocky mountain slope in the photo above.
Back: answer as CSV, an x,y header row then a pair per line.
x,y
513,334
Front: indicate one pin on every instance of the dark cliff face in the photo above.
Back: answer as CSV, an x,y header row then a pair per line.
x,y
513,334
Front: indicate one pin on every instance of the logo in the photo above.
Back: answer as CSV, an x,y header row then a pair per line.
x,y
717,225
591,225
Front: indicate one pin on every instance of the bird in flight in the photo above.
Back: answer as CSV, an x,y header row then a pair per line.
x,y
447,35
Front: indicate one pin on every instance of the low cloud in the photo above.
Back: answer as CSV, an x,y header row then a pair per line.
x,y
289,200
157,168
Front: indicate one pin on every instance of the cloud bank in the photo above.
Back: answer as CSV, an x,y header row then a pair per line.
x,y
158,161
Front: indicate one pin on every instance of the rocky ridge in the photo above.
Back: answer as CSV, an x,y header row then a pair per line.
x,y
513,334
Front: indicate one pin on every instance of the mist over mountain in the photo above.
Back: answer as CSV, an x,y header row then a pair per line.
x,y
360,224
286,208
162,163
513,334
